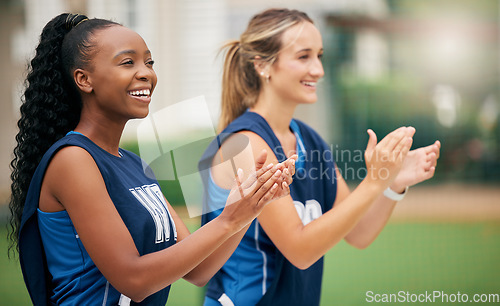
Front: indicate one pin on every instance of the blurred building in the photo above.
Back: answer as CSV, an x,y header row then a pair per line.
x,y
430,64
184,36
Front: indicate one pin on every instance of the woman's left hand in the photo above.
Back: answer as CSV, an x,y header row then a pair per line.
x,y
418,166
287,168
286,177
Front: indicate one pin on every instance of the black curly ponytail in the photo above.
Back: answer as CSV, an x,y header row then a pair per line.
x,y
51,102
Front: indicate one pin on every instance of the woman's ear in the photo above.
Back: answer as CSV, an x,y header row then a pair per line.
x,y
82,80
260,65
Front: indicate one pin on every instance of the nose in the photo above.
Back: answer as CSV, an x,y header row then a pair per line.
x,y
317,68
145,73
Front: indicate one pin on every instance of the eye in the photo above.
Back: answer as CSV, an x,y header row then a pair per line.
x,y
305,56
150,63
320,56
127,62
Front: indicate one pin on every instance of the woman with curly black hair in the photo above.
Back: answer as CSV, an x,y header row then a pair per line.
x,y
90,224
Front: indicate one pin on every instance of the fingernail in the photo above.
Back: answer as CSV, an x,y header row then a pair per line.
x,y
270,166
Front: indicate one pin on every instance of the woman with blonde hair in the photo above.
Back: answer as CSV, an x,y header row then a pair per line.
x,y
268,72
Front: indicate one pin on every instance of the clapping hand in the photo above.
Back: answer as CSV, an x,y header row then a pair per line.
x,y
418,166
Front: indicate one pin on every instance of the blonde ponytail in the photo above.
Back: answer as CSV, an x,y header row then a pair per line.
x,y
262,39
236,96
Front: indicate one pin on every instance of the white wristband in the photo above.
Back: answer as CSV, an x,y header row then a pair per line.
x,y
391,194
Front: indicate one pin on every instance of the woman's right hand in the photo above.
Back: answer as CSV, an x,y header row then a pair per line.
x,y
384,159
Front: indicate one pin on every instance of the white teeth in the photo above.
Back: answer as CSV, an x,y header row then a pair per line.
x,y
309,83
144,92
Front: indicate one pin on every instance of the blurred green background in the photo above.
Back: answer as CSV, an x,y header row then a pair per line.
x,y
438,72
433,65
412,257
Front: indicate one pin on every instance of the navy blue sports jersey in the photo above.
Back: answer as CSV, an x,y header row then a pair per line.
x,y
257,273
55,265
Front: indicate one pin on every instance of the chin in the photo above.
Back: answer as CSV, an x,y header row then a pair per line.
x,y
143,113
310,100
140,115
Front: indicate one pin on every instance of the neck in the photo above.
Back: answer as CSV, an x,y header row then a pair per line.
x,y
277,112
103,132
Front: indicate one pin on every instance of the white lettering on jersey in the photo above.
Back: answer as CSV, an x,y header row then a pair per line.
x,y
309,212
151,197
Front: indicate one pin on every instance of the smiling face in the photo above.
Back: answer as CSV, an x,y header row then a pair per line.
x,y
295,73
121,77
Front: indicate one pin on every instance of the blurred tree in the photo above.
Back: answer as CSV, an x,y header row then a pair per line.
x,y
438,71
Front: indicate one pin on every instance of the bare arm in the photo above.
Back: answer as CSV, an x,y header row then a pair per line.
x,y
419,165
202,273
205,270
73,180
304,245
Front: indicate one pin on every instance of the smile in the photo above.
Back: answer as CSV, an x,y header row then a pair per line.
x,y
309,84
140,93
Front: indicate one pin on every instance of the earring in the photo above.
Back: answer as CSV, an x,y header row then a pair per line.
x,y
262,73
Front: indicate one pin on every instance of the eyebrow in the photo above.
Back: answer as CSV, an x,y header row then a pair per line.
x,y
308,50
129,52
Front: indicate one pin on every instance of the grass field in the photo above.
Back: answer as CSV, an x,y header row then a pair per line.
x,y
408,257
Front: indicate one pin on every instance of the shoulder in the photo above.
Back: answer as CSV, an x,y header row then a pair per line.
x,y
71,155
251,133
249,121
71,166
256,130
238,151
71,170
255,141
69,144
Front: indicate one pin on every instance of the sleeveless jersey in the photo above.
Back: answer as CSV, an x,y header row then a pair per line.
x,y
56,266
257,273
